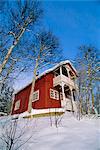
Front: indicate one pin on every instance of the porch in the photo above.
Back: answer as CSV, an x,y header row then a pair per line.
x,y
67,97
64,83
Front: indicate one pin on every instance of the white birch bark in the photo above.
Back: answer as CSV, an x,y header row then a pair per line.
x,y
10,51
32,88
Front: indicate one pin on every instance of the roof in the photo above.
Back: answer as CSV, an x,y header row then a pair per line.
x,y
48,71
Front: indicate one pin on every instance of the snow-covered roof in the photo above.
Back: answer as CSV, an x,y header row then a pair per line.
x,y
48,71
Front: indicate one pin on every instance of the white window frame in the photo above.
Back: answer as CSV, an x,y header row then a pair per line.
x,y
35,96
54,94
17,105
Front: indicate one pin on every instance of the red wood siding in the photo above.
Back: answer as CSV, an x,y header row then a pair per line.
x,y
43,85
49,102
40,85
23,96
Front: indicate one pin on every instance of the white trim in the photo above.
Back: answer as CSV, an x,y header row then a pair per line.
x,y
68,72
63,93
39,111
61,78
60,70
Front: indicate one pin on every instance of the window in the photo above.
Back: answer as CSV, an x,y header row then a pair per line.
x,y
71,75
74,94
54,94
64,71
67,92
57,72
17,105
36,96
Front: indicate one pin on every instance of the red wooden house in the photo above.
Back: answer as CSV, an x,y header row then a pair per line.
x,y
55,88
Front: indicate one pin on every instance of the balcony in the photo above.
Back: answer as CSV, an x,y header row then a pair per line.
x,y
61,78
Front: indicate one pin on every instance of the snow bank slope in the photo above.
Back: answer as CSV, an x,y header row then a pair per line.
x,y
71,134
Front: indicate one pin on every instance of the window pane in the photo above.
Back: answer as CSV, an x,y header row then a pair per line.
x,y
51,93
57,72
64,71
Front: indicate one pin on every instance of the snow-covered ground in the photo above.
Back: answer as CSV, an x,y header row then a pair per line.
x,y
70,134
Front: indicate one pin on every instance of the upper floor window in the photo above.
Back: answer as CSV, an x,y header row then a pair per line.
x,y
74,94
35,96
17,105
64,71
54,94
71,75
67,92
57,72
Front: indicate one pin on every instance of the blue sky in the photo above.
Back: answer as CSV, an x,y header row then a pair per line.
x,y
74,22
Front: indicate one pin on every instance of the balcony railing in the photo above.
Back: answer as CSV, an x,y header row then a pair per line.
x,y
61,78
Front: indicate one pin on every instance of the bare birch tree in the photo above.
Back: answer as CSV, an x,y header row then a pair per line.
x,y
46,51
19,17
88,66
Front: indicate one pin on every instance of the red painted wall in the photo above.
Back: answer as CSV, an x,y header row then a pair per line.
x,y
43,85
23,96
49,102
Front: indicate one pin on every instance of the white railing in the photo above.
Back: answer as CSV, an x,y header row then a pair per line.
x,y
61,78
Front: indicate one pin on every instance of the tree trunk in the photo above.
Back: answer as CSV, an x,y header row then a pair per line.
x,y
32,88
81,110
88,105
10,51
92,95
72,101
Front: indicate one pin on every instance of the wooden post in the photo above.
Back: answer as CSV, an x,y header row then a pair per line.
x,y
63,102
72,99
68,72
63,94
60,70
